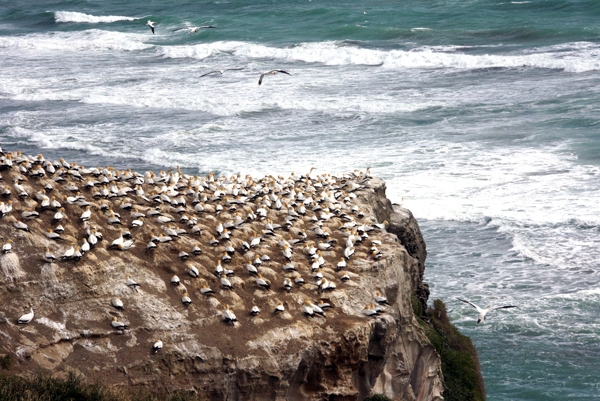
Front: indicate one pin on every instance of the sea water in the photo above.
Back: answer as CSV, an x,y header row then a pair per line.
x,y
481,115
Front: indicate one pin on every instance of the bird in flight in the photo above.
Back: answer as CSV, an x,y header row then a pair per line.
x,y
151,25
272,72
483,312
221,71
194,29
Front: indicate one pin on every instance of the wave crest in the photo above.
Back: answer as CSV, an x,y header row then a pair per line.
x,y
73,16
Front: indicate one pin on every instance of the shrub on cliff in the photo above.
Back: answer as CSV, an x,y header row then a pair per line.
x,y
460,364
47,388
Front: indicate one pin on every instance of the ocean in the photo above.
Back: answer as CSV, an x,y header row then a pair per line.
x,y
482,116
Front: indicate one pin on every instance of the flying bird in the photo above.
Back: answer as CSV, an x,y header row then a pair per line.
x,y
221,71
194,29
151,25
483,312
272,72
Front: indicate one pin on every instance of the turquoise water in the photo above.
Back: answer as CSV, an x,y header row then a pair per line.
x,y
482,116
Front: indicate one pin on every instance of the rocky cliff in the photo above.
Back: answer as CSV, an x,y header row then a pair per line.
x,y
347,332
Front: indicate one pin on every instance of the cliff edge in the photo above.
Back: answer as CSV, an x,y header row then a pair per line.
x,y
330,264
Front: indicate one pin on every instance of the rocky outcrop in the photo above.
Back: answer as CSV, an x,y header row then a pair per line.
x,y
344,355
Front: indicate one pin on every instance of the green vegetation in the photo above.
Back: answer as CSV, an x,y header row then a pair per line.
x,y
460,364
48,388
5,362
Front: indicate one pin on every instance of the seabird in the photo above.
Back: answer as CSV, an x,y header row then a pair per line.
x,y
272,72
117,303
26,318
6,248
118,325
206,290
380,299
254,311
157,346
131,283
186,300
228,315
262,282
175,280
226,283
219,71
193,270
194,29
151,25
307,309
279,308
48,257
483,312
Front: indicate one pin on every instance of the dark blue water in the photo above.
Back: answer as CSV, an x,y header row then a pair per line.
x,y
482,116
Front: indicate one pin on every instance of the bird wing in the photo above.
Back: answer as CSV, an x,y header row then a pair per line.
x,y
208,26
152,29
282,71
208,73
504,307
235,69
261,78
471,303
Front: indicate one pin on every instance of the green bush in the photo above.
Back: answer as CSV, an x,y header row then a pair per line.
x,y
6,362
47,388
460,364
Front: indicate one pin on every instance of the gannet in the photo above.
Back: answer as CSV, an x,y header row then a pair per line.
x,y
380,299
316,309
254,311
226,283
483,312
228,315
86,214
262,282
307,309
117,303
251,268
218,71
279,308
6,248
26,318
186,300
151,25
194,29
206,290
369,312
69,253
19,225
175,280
157,346
287,284
272,72
345,277
118,325
48,257
52,235
131,283
298,280
193,270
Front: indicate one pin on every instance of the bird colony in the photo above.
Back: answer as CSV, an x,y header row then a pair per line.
x,y
236,251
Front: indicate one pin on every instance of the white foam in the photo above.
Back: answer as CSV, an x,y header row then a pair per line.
x,y
572,57
93,39
72,16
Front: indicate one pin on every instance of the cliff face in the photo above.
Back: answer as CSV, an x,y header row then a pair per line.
x,y
344,355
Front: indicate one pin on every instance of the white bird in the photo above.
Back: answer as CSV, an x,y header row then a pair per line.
x,y
193,270
262,282
157,346
175,280
254,311
307,309
272,72
206,290
381,299
151,25
131,283
483,312
117,303
229,316
26,318
118,325
186,300
279,308
6,248
194,29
